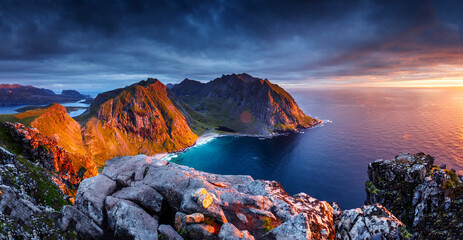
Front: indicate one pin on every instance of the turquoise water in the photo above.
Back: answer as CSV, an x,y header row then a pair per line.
x,y
330,162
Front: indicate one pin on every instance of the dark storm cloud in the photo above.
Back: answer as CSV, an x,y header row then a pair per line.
x,y
104,44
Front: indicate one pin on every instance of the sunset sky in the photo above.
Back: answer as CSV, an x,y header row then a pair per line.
x,y
100,45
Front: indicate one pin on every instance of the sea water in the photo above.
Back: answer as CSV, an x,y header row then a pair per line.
x,y
330,162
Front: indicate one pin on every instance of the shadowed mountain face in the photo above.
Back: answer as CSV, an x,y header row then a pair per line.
x,y
245,104
15,94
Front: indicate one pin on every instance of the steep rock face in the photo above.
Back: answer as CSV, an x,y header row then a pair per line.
x,y
428,198
46,152
252,207
56,123
138,119
242,103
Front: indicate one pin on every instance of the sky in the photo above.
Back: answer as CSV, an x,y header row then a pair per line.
x,y
100,45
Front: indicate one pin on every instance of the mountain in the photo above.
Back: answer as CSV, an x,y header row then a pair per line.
x,y
15,94
137,119
148,118
242,103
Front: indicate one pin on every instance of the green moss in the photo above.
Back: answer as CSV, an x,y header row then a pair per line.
x,y
181,232
453,182
47,192
7,141
371,187
405,233
267,224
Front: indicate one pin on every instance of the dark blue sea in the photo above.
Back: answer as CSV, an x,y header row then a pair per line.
x,y
329,162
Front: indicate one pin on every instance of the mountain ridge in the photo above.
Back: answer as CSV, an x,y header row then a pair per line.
x,y
244,104
16,94
149,118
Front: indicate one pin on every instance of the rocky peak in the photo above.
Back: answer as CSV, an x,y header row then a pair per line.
x,y
137,119
244,104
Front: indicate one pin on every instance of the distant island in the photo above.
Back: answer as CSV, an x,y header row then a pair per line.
x,y
17,95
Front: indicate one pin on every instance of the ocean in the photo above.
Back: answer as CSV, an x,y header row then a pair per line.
x,y
330,161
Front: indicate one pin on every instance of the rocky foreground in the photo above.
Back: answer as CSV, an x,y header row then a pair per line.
x,y
143,197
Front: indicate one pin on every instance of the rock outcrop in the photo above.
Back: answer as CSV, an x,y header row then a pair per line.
x,y
242,103
135,196
369,222
46,152
29,200
426,197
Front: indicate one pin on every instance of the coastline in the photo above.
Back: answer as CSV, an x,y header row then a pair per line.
x,y
210,135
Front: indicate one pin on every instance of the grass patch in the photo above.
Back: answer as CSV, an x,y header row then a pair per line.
x,y
371,187
267,224
453,182
47,192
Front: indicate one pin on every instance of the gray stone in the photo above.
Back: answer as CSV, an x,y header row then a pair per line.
x,y
142,195
369,222
296,228
91,195
122,169
128,220
76,220
14,207
169,233
229,232
200,232
180,223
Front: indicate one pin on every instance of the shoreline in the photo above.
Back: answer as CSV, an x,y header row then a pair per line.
x,y
210,135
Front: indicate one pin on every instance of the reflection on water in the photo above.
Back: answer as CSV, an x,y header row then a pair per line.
x,y
330,162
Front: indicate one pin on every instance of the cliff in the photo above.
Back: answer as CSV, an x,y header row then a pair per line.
x,y
137,119
15,94
30,194
244,104
55,122
428,198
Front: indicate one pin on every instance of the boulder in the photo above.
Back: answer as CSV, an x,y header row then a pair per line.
x,y
180,223
194,218
229,232
202,197
169,233
91,195
200,232
129,221
142,195
73,219
122,169
297,228
369,222
199,203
